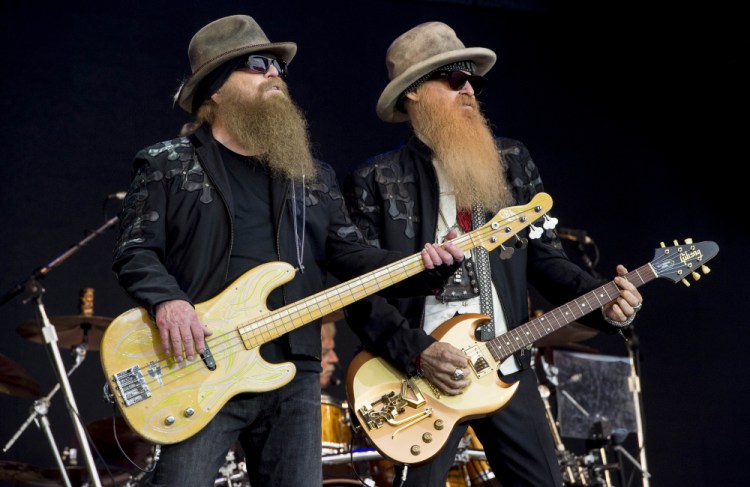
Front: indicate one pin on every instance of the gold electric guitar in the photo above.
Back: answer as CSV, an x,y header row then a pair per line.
x,y
165,403
409,420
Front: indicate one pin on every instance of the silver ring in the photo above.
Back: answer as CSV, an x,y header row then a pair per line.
x,y
638,307
458,374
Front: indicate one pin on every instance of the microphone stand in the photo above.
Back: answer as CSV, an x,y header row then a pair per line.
x,y
634,382
49,333
39,416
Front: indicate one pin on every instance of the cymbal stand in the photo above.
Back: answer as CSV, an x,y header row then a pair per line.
x,y
634,382
39,414
563,456
35,290
50,335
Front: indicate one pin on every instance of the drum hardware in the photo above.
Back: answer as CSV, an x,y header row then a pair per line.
x,y
633,345
232,473
355,456
591,417
39,416
566,459
470,464
577,471
32,287
603,434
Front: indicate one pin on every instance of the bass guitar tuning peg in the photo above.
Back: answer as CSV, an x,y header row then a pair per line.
x,y
534,232
520,242
549,223
506,252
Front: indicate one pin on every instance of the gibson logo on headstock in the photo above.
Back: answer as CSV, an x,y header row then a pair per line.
x,y
694,254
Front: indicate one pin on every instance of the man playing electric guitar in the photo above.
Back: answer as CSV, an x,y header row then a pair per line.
x,y
451,175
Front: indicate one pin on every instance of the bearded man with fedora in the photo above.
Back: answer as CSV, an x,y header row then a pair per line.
x,y
451,176
240,189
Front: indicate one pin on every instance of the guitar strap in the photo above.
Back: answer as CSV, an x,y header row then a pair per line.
x,y
482,264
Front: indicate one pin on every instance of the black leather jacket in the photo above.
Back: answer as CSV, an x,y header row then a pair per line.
x,y
393,199
176,232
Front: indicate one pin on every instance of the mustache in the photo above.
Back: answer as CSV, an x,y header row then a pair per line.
x,y
274,83
465,99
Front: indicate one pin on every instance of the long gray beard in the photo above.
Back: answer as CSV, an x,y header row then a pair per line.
x,y
278,127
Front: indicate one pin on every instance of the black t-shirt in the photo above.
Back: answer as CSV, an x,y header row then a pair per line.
x,y
253,244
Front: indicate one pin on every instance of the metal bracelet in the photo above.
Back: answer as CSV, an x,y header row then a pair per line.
x,y
619,324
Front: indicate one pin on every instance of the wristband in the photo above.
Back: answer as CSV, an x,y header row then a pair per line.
x,y
619,324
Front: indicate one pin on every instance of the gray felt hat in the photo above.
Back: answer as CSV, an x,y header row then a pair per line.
x,y
420,51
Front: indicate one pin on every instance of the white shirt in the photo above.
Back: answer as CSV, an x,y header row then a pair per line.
x,y
436,312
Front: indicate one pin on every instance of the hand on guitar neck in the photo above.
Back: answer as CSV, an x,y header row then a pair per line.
x,y
183,335
623,308
441,361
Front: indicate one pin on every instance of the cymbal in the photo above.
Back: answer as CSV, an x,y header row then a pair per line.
x,y
72,330
79,475
14,380
572,347
573,332
24,474
135,447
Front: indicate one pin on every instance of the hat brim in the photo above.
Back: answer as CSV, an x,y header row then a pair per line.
x,y
186,91
386,107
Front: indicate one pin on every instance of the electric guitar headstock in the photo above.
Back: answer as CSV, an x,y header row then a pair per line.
x,y
682,260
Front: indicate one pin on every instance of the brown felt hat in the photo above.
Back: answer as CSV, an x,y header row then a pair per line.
x,y
420,51
220,41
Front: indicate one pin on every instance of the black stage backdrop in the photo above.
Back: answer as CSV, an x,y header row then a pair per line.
x,y
634,114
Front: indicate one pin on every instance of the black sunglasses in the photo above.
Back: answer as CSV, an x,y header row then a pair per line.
x,y
261,64
458,79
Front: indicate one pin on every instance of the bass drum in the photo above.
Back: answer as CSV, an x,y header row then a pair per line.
x,y
336,425
457,477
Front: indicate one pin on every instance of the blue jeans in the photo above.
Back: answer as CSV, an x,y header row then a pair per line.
x,y
280,433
